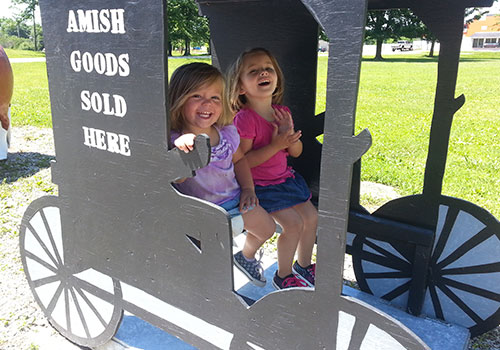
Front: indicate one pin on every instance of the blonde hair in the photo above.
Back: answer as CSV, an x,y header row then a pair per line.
x,y
188,78
237,101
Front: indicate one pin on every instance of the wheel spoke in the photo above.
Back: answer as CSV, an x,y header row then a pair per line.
x,y
438,310
42,244
80,313
55,298
382,251
396,292
469,270
92,307
98,292
68,311
466,309
451,217
40,261
51,237
471,289
358,334
398,264
391,274
477,239
46,280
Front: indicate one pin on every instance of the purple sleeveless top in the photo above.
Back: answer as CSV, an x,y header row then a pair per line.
x,y
216,182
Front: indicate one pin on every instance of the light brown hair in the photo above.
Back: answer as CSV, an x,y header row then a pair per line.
x,y
237,101
188,78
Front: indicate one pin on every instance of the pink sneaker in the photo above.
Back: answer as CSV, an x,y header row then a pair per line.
x,y
289,281
307,274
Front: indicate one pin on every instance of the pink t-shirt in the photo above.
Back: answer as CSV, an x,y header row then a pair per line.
x,y
252,126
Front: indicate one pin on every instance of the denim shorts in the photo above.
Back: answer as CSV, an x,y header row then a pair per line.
x,y
284,195
232,206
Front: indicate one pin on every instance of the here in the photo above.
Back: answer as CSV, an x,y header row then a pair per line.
x,y
106,141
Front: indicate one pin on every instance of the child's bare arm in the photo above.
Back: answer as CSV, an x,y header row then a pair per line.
x,y
285,126
263,154
259,156
248,199
295,149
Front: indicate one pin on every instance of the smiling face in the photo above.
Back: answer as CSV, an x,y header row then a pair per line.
x,y
258,79
203,108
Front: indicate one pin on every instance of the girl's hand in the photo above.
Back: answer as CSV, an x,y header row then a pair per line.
x,y
286,139
185,142
284,120
248,200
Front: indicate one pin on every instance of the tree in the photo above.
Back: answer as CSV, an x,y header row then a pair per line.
x,y
16,27
389,24
475,13
471,14
16,34
185,25
29,14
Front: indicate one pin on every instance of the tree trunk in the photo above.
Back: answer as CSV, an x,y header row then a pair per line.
x,y
187,47
431,52
169,49
34,30
378,53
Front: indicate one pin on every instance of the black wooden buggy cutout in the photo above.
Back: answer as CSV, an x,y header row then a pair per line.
x,y
119,237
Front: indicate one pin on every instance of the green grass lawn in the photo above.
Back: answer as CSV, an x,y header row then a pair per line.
x,y
396,100
395,103
23,53
30,102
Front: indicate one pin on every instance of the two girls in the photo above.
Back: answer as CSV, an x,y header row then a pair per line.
x,y
198,106
256,88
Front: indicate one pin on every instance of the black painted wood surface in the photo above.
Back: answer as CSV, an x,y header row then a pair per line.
x,y
120,237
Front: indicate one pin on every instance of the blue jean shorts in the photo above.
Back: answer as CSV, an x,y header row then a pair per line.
x,y
233,209
284,195
232,206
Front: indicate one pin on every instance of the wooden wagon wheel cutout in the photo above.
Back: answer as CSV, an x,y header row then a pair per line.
x,y
458,287
82,312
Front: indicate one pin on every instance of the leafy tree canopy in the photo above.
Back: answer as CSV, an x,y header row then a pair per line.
x,y
29,14
186,25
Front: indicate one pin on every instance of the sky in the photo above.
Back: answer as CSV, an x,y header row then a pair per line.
x,y
5,10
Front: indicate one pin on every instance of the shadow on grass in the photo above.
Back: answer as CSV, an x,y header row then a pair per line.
x,y
422,59
22,165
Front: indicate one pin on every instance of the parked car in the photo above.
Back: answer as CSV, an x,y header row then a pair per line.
x,y
402,45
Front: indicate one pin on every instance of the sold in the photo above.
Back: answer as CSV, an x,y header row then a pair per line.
x,y
101,103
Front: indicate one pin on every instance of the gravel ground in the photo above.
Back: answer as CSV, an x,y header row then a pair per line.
x,y
25,176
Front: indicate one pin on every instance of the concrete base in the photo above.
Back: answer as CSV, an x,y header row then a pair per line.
x,y
135,333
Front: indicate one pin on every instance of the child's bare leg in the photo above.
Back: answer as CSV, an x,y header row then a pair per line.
x,y
309,216
292,224
260,227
